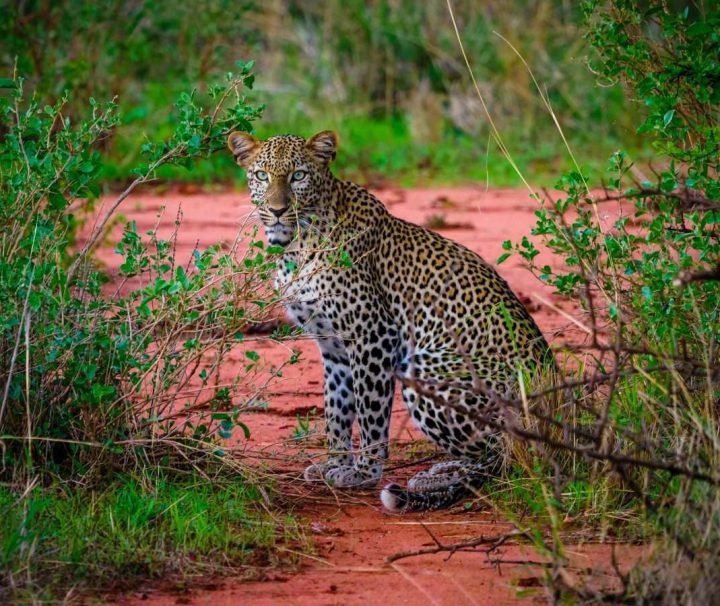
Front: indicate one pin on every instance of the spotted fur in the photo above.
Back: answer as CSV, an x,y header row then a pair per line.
x,y
386,300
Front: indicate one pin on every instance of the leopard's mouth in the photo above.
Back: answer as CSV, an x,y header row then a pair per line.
x,y
279,234
281,230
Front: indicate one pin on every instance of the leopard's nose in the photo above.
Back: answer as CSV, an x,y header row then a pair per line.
x,y
278,212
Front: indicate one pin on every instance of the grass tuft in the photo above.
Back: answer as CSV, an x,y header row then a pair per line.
x,y
136,528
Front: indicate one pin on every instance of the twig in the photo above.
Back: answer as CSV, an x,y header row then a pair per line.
x,y
493,542
699,276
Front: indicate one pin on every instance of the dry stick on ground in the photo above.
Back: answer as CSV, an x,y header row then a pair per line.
x,y
493,542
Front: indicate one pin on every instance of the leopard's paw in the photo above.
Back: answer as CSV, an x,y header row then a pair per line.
x,y
340,476
347,476
316,472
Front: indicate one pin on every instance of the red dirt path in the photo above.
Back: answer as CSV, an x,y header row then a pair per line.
x,y
353,534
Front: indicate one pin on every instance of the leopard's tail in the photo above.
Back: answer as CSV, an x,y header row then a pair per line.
x,y
397,499
403,500
444,484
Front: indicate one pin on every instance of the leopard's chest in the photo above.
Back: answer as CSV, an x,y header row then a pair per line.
x,y
300,283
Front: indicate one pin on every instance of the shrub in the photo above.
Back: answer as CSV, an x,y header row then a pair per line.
x,y
112,409
95,376
643,257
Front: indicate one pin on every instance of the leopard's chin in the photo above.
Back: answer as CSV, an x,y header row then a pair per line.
x,y
279,235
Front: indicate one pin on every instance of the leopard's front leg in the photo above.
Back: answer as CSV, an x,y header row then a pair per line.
x,y
372,356
339,407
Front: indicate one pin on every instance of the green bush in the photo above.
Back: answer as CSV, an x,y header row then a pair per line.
x,y
93,374
649,281
652,270
112,411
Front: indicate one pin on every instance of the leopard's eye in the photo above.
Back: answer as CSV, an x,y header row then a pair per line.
x,y
298,175
261,175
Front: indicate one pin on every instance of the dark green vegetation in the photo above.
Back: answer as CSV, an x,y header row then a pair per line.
x,y
387,76
112,406
641,439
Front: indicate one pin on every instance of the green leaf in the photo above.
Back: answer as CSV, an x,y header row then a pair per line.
x,y
191,344
245,429
181,277
57,201
613,311
345,259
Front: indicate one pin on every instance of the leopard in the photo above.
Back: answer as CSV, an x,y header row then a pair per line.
x,y
390,301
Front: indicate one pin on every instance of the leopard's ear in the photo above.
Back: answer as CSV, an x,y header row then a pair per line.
x,y
323,146
244,147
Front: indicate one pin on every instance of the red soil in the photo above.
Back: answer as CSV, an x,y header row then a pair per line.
x,y
352,533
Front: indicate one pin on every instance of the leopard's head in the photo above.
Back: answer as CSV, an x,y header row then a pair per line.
x,y
289,179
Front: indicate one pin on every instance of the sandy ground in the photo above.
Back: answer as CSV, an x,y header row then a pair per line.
x,y
352,533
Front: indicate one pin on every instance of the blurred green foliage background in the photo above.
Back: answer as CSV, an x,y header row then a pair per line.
x,y
387,75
